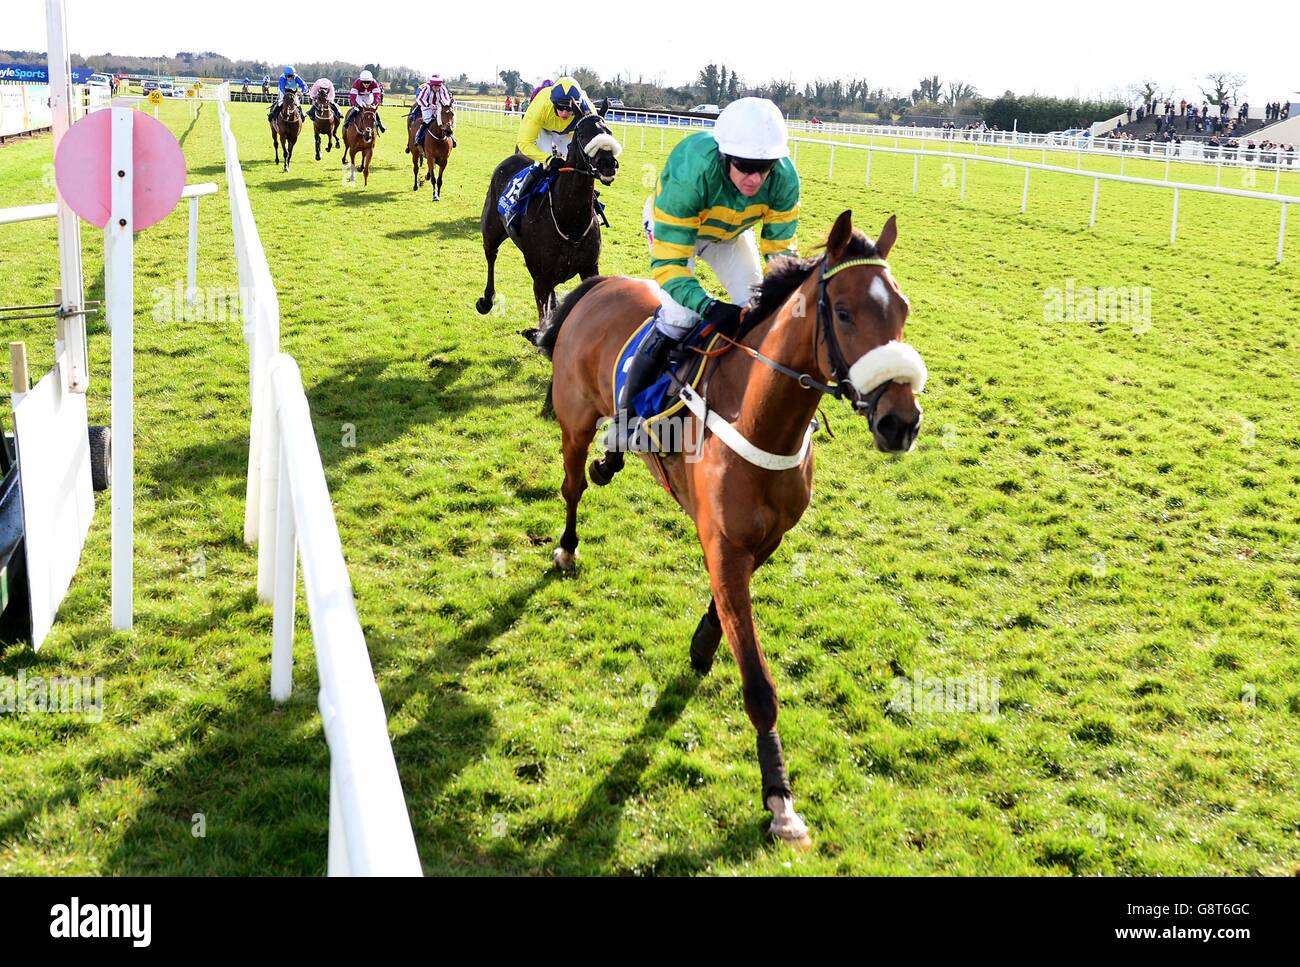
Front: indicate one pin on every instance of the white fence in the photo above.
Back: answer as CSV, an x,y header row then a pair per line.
x,y
1028,166
1189,152
288,510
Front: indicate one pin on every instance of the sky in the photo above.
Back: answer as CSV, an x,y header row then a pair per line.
x,y
1098,48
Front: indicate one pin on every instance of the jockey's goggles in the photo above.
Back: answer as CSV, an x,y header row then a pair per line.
x,y
750,166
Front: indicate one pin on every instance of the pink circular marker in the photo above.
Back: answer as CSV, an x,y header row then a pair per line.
x,y
81,169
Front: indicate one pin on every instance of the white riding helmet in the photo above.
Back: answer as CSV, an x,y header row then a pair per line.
x,y
366,76
752,128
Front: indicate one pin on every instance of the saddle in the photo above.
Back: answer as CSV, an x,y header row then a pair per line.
x,y
512,198
659,401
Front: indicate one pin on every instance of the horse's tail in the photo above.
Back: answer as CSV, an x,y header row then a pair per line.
x,y
544,337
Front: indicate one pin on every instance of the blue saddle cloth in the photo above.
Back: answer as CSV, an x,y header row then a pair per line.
x,y
653,400
511,200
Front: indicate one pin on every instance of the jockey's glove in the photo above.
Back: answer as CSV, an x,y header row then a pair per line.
x,y
723,316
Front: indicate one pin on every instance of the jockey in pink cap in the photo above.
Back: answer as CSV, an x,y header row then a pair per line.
x,y
432,97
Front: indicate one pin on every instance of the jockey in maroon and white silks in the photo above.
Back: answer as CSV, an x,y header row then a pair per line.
x,y
430,101
366,92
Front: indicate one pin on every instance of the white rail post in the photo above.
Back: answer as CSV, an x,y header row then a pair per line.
x,y
963,179
1173,228
1218,171
1277,176
830,171
868,167
1166,164
795,160
191,288
1024,195
286,585
916,170
119,287
1096,189
71,275
643,137
269,446
1122,159
1281,233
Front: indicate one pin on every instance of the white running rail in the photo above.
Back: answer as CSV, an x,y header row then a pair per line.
x,y
288,510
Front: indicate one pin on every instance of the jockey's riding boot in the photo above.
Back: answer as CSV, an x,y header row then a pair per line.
x,y
380,121
646,365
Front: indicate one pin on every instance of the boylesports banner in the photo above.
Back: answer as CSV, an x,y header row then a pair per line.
x,y
39,74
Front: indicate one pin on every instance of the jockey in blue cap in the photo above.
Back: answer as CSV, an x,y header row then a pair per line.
x,y
289,79
545,132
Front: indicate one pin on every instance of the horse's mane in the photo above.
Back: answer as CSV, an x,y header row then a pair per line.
x,y
787,273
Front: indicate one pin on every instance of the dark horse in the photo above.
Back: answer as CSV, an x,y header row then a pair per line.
x,y
286,127
751,478
559,234
359,138
436,150
324,121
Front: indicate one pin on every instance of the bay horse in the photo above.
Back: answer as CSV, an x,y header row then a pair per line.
x,y
325,122
559,235
751,478
286,127
436,150
359,138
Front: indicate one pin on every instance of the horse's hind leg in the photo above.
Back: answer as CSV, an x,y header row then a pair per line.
x,y
493,235
577,438
705,641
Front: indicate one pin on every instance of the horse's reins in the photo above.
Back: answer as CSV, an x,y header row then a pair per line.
x,y
841,388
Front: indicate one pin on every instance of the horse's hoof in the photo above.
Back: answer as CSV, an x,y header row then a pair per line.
x,y
601,474
483,306
564,560
704,644
787,825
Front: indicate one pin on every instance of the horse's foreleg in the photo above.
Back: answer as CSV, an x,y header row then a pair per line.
x,y
275,143
545,296
708,633
317,136
730,570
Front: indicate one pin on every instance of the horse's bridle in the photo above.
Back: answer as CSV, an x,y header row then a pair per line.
x,y
582,151
824,330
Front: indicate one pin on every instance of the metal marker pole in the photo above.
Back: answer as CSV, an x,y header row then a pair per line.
x,y
119,257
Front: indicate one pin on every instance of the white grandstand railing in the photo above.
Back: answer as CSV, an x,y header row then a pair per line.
x,y
288,510
1189,152
1028,166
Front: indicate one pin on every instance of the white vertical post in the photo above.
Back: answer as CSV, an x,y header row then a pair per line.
x,y
1166,164
1173,228
1044,152
643,137
830,172
963,179
71,278
1024,195
916,170
1277,176
191,289
868,167
1218,170
119,289
1096,189
268,530
286,584
796,153
1281,233
337,862
1122,159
